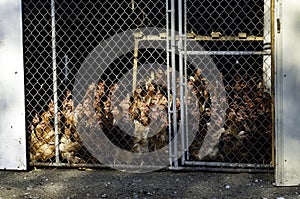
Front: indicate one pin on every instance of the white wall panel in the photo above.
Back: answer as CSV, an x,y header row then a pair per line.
x,y
288,93
12,98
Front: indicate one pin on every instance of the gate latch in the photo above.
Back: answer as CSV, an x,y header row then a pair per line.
x,y
278,25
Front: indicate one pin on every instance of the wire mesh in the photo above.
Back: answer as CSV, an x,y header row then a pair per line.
x,y
247,133
121,100
235,34
80,28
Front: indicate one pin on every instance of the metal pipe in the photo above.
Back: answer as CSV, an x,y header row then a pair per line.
x,y
181,83
186,80
273,78
54,70
88,165
60,164
224,164
173,60
214,169
188,168
227,53
206,38
168,81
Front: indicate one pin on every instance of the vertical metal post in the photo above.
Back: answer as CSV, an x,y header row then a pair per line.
x,y
268,61
173,62
267,45
273,78
168,80
168,11
279,105
186,79
54,70
181,83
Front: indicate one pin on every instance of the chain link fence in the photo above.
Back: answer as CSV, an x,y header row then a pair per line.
x,y
237,36
108,95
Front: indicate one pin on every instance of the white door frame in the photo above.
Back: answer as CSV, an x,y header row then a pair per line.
x,y
287,92
12,96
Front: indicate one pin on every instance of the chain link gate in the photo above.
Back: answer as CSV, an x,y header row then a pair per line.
x,y
225,54
147,75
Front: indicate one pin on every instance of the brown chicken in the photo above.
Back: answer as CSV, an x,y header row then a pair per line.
x,y
43,136
70,141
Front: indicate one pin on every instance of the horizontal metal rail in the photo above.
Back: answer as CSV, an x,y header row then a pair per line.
x,y
226,38
139,36
163,36
89,165
219,169
226,53
189,163
178,168
54,164
224,164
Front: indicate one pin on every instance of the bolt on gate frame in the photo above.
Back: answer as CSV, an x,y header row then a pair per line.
x,y
225,72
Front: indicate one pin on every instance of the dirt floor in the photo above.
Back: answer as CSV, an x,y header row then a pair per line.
x,y
105,183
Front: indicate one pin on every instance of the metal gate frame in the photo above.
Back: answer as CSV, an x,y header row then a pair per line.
x,y
177,44
180,41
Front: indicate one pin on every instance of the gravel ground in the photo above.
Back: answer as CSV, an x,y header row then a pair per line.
x,y
105,183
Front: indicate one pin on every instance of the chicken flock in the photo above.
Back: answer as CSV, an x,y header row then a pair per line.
x,y
247,134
